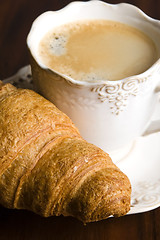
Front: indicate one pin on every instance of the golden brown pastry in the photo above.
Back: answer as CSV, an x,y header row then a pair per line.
x,y
48,168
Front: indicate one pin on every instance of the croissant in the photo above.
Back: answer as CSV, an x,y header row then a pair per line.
x,y
48,168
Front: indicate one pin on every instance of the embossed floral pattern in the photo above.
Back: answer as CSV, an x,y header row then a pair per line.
x,y
117,94
145,195
22,78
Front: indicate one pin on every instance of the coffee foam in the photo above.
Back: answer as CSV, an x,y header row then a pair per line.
x,y
57,44
97,50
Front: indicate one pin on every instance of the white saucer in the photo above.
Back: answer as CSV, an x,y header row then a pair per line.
x,y
142,165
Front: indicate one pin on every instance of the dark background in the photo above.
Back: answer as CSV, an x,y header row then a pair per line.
x,y
16,18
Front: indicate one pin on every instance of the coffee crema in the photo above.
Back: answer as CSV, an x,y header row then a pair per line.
x,y
97,50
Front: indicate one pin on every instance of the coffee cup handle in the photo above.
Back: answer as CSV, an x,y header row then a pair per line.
x,y
154,125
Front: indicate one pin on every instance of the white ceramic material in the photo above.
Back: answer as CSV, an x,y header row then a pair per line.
x,y
109,114
142,165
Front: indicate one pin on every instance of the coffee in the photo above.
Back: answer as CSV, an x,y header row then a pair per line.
x,y
97,50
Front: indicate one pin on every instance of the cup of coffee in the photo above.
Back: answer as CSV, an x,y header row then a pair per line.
x,y
100,64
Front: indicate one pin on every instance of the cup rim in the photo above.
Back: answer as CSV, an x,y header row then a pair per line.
x,y
132,7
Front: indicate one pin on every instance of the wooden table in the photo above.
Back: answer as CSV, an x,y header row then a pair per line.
x,y
15,21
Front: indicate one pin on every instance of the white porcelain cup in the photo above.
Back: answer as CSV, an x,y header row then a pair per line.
x,y
109,114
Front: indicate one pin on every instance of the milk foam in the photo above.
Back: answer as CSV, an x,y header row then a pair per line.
x,y
57,45
97,50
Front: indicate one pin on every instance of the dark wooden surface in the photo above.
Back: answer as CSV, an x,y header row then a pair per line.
x,y
15,21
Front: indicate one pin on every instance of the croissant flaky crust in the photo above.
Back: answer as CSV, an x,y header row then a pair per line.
x,y
48,168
